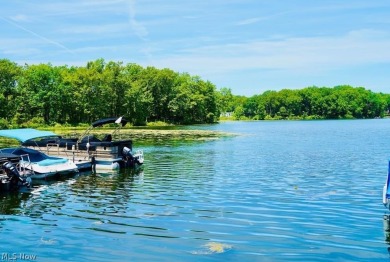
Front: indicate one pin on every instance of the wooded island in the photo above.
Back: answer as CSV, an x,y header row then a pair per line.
x,y
47,95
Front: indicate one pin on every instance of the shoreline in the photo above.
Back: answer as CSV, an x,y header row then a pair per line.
x,y
153,134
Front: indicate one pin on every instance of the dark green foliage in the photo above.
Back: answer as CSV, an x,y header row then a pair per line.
x,y
9,74
340,102
46,95
36,95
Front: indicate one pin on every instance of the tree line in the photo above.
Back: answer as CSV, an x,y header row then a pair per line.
x,y
44,94
339,102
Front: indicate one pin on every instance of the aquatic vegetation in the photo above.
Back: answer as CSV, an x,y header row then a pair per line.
x,y
156,134
213,248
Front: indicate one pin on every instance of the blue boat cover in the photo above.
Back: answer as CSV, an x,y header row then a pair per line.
x,y
34,156
110,120
52,161
25,134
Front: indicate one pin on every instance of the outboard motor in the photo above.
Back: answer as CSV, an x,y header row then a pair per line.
x,y
130,158
126,153
14,176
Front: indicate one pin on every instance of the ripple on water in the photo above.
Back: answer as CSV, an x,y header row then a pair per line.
x,y
284,192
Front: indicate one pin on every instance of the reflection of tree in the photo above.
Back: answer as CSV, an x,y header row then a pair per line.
x,y
15,202
386,228
48,197
11,201
113,180
109,192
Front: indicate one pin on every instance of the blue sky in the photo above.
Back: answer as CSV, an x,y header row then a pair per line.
x,y
249,46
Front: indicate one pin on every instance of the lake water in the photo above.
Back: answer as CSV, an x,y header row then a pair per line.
x,y
278,191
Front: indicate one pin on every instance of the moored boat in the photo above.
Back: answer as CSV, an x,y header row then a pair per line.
x,y
101,152
386,189
12,178
40,165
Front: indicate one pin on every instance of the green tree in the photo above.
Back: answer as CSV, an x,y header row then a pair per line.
x,y
225,100
37,93
238,112
9,75
139,103
114,88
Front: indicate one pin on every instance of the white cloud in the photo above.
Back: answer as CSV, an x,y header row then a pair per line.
x,y
299,53
79,7
20,18
217,39
106,29
45,39
138,28
263,18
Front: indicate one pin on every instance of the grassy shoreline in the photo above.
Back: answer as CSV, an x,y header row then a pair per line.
x,y
137,135
148,134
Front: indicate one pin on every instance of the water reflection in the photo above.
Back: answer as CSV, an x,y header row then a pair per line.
x,y
48,196
386,229
263,197
10,201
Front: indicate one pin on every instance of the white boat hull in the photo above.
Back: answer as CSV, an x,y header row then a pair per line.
x,y
42,172
385,191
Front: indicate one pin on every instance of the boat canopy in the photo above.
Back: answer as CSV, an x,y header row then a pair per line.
x,y
25,134
110,120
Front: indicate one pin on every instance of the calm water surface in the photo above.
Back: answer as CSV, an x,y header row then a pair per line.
x,y
278,191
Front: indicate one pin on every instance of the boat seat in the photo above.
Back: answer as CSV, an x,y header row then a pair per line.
x,y
107,138
90,138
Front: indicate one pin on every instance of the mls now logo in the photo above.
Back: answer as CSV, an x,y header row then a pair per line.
x,y
17,256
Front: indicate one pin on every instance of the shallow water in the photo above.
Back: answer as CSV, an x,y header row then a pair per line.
x,y
278,191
